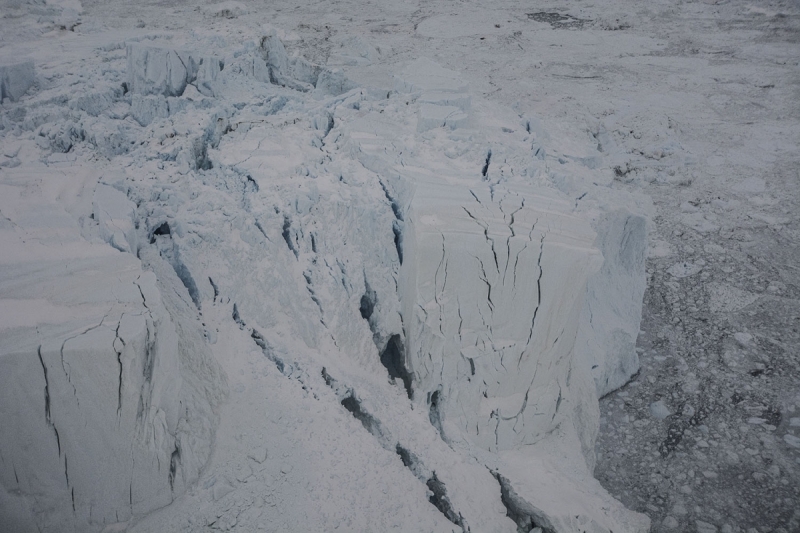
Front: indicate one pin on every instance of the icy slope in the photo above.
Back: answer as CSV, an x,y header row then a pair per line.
x,y
393,282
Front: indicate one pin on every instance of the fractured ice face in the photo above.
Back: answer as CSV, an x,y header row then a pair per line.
x,y
493,289
368,236
167,71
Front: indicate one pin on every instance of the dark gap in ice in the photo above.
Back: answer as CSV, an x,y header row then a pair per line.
x,y
149,359
557,20
287,226
558,400
313,294
393,358
369,422
237,318
188,281
163,229
273,105
397,225
677,427
368,301
485,169
251,183
260,228
410,460
46,387
258,339
673,438
329,381
392,355
772,414
398,213
214,286
517,509
398,240
437,488
173,257
47,400
174,459
267,350
201,156
434,412
440,500
438,497
351,402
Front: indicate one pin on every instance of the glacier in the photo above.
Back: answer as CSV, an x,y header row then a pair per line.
x,y
242,291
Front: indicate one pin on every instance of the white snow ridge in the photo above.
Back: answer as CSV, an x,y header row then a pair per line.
x,y
240,291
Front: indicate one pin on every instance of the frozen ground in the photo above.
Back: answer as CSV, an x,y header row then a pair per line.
x,y
693,105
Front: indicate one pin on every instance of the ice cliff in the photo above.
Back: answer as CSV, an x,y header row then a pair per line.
x,y
409,300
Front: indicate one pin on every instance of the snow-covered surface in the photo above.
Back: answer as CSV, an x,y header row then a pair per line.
x,y
402,255
262,274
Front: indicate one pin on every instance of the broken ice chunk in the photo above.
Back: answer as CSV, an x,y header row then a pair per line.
x,y
743,339
333,82
659,410
115,214
259,454
444,98
228,10
354,51
459,100
145,109
437,116
684,269
16,77
424,75
167,71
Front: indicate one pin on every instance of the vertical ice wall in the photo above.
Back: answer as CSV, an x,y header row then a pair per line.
x,y
609,321
493,284
107,390
16,77
493,288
